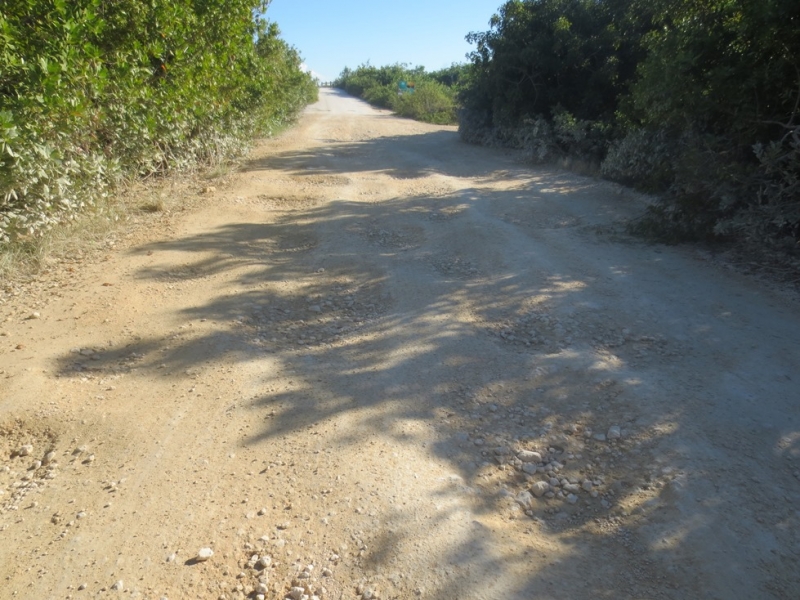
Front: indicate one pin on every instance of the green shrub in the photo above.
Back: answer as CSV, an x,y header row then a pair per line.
x,y
643,158
697,100
94,92
433,98
381,95
430,101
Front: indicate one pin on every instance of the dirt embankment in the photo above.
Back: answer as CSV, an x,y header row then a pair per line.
x,y
384,364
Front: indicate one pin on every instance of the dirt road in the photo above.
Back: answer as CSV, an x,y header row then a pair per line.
x,y
389,365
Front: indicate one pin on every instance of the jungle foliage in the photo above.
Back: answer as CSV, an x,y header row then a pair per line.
x,y
433,98
94,92
698,100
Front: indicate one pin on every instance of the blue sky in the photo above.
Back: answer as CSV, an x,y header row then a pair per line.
x,y
333,35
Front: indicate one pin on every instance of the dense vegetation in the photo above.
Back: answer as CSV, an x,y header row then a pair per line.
x,y
93,92
432,99
698,100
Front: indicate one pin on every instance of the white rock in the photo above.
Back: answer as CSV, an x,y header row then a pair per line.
x,y
528,456
25,450
118,586
204,554
540,488
296,593
614,432
525,499
264,562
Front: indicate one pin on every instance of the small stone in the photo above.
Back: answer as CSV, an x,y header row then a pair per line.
x,y
48,458
35,465
262,512
572,498
172,557
528,456
204,554
540,488
118,586
34,315
25,450
587,485
81,515
315,308
81,587
600,437
264,562
525,499
614,432
529,468
296,593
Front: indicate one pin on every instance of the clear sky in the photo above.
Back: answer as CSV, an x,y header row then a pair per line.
x,y
333,35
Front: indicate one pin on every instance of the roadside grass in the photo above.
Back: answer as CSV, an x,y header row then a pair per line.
x,y
133,206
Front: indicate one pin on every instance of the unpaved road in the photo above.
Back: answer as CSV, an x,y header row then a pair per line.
x,y
360,355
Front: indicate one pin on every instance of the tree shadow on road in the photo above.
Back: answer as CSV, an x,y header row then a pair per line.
x,y
485,359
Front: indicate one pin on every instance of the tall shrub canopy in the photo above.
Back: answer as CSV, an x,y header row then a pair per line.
x,y
95,90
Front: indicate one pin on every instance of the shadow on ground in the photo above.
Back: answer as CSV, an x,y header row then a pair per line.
x,y
389,361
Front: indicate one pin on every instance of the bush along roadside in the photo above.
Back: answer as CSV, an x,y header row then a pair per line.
x,y
698,102
95,93
413,93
